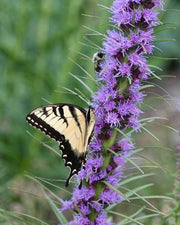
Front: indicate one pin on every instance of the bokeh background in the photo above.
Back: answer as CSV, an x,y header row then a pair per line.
x,y
41,44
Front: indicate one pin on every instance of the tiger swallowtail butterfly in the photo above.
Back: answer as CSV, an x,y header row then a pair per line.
x,y
71,126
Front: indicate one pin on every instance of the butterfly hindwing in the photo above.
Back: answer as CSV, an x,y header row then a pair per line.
x,y
69,125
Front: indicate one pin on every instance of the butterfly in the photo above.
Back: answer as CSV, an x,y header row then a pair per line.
x,y
71,126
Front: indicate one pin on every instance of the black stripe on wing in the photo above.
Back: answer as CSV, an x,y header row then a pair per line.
x,y
74,115
61,112
44,127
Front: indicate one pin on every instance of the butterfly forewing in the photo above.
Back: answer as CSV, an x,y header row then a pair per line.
x,y
70,125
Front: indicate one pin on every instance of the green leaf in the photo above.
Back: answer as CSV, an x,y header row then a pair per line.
x,y
124,216
44,144
155,75
56,210
134,191
155,67
155,197
145,86
53,185
95,32
82,82
133,163
85,71
127,180
150,119
164,58
76,94
126,220
149,132
20,217
164,40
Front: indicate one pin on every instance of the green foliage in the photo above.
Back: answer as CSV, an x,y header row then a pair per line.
x,y
40,44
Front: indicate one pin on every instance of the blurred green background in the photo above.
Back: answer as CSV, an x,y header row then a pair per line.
x,y
41,43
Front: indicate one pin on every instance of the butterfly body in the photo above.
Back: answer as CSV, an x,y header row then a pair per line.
x,y
71,126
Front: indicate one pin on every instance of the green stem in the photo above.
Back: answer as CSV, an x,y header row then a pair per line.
x,y
108,143
99,188
93,215
123,84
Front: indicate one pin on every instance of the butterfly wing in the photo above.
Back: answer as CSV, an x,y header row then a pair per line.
x,y
68,125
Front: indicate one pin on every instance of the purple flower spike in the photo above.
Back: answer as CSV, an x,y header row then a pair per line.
x,y
116,107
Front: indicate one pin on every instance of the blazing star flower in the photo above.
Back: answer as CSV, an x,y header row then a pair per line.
x,y
116,106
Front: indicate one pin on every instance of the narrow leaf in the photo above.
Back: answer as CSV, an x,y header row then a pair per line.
x,y
57,212
122,215
127,180
82,82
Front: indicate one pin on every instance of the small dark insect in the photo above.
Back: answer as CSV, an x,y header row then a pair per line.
x,y
98,58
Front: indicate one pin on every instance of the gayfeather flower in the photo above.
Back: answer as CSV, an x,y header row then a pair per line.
x,y
116,106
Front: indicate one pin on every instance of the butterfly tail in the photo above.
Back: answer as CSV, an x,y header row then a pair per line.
x,y
69,177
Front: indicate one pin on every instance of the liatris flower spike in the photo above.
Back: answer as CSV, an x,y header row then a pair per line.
x,y
116,106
